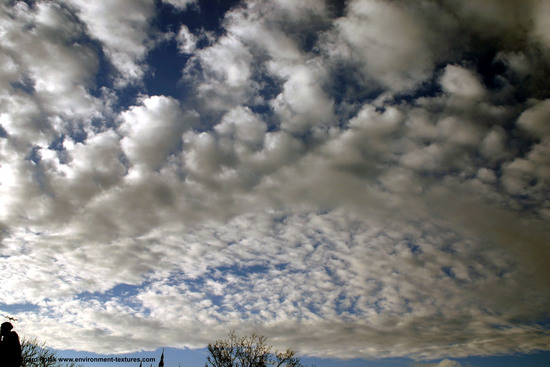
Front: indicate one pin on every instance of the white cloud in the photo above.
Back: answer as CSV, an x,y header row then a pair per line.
x,y
186,40
385,41
302,105
257,24
180,4
228,60
122,29
542,24
493,145
44,85
232,65
461,82
242,125
443,363
151,131
301,11
535,119
278,44
224,78
318,273
530,175
486,175
344,186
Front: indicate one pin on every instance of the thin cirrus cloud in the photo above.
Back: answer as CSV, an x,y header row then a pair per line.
x,y
363,181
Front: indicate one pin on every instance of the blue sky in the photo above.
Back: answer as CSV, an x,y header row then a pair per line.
x,y
364,181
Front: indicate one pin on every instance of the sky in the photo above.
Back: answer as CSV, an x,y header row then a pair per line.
x,y
365,181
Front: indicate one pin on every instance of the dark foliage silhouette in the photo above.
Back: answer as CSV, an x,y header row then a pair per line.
x,y
36,354
248,351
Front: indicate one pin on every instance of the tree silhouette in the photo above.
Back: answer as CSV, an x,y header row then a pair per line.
x,y
36,354
248,351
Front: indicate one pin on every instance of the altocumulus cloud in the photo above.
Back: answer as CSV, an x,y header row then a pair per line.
x,y
368,180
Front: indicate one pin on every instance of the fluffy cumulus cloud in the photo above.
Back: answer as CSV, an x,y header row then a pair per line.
x,y
385,42
367,179
123,31
151,131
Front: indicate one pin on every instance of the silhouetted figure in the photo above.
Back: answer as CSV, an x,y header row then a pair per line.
x,y
10,347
